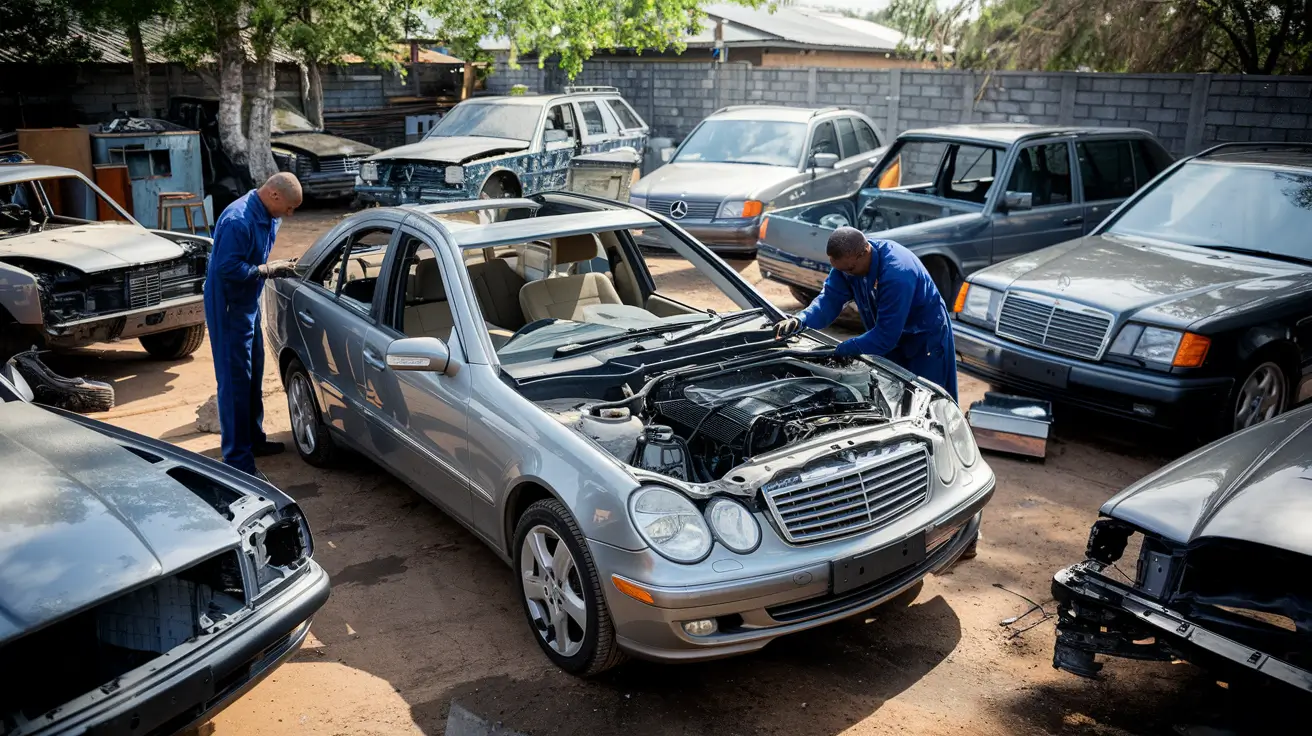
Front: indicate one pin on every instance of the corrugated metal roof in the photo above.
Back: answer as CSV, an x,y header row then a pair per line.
x,y
808,27
114,48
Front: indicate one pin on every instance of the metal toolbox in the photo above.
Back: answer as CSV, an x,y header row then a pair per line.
x,y
1011,424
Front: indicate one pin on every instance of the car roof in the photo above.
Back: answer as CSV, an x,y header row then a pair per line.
x,y
1009,133
10,173
779,113
1284,155
534,99
468,235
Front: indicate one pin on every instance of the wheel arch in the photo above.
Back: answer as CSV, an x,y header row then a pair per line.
x,y
523,494
509,180
1270,340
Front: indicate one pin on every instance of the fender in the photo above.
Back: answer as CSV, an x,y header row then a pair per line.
x,y
20,295
1258,337
940,250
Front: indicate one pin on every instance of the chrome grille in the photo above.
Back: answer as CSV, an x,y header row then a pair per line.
x,y
1065,328
697,209
405,174
144,288
339,165
875,491
152,284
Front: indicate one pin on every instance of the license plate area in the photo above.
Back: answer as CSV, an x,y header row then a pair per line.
x,y
860,570
1022,366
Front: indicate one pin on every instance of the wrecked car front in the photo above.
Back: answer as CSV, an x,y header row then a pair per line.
x,y
1224,560
325,164
142,587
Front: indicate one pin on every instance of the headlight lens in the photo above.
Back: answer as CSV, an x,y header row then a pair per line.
x,y
671,524
980,303
739,208
1157,345
733,525
454,175
959,434
369,171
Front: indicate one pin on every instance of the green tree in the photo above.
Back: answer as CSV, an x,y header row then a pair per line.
x,y
128,16
41,32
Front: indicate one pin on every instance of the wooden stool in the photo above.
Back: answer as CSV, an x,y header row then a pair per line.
x,y
186,201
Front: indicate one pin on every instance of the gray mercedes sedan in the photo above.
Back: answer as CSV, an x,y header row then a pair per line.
x,y
746,160
667,481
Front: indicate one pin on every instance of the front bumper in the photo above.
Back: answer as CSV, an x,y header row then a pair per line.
x,y
168,315
328,186
792,270
1098,615
764,607
397,196
726,238
1145,396
196,680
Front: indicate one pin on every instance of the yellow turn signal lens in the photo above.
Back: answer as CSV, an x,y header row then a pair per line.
x,y
1192,351
751,208
764,224
960,303
631,590
892,176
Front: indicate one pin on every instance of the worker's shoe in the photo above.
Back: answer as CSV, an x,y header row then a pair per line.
x,y
267,448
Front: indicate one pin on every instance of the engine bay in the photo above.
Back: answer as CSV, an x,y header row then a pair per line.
x,y
697,425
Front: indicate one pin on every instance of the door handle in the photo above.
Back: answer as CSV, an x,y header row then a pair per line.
x,y
374,360
1072,221
305,317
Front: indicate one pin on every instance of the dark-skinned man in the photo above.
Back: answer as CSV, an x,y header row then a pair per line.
x,y
239,265
905,318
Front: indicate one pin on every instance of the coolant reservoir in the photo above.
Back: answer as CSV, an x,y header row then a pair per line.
x,y
616,430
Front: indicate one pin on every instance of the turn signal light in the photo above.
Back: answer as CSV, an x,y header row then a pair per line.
x,y
1192,351
631,590
751,208
892,176
960,303
764,224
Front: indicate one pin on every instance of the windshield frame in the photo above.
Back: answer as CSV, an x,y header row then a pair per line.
x,y
798,163
536,130
48,210
1105,228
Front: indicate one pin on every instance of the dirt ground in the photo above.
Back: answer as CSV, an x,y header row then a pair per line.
x,y
421,613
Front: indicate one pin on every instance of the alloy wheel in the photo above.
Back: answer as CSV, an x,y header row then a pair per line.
x,y
302,409
1261,397
554,591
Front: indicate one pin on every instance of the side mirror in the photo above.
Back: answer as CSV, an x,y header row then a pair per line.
x,y
1018,201
555,136
824,160
420,354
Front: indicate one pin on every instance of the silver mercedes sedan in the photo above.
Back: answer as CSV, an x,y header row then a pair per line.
x,y
668,481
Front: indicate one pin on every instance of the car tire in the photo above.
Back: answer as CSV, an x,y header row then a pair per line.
x,y
803,296
588,648
174,344
945,279
1262,391
314,443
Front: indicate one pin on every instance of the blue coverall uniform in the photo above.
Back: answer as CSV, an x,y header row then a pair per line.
x,y
904,316
243,237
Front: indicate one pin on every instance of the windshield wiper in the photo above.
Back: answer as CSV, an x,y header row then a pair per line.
x,y
575,348
714,323
1259,253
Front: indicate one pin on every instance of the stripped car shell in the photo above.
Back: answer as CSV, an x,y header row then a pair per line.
x,y
1224,563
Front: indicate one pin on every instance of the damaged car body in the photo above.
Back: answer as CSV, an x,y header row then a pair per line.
x,y
667,482
142,587
76,269
1224,564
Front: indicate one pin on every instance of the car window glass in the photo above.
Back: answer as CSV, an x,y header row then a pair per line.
x,y
592,118
823,139
847,137
913,165
488,119
1044,172
1105,169
425,310
356,266
1150,160
762,142
865,135
560,118
626,117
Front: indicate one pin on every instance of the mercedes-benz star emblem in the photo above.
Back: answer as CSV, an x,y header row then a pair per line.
x,y
408,172
679,210
1063,281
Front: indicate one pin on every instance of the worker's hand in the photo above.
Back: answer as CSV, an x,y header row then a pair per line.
x,y
278,269
788,328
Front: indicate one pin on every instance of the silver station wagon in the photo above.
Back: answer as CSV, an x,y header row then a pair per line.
x,y
668,481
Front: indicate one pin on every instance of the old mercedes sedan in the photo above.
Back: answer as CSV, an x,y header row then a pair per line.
x,y
1218,565
666,481
1187,308
143,587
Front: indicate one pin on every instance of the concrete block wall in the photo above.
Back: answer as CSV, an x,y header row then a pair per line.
x,y
1188,112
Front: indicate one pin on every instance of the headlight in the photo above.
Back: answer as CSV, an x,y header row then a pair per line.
x,y
733,525
1157,345
739,208
978,303
671,524
369,171
959,434
455,175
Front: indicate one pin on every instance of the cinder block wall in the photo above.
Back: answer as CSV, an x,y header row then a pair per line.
x,y
1187,111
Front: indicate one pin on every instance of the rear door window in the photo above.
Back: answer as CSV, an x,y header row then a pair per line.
x,y
823,140
1150,160
865,135
628,119
594,122
847,138
1044,171
1106,169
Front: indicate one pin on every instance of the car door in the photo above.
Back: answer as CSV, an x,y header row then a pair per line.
x,y
1043,172
1107,176
425,413
560,143
334,308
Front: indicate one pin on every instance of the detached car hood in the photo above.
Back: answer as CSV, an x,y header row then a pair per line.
x,y
94,247
1254,486
322,144
452,149
88,519
1172,284
711,181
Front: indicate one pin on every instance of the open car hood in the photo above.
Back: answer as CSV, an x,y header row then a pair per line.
x,y
1254,486
95,247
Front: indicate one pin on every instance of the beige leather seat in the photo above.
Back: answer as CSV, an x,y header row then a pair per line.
x,y
427,312
564,297
497,287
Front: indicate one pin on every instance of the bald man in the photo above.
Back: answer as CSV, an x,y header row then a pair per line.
x,y
239,264
905,318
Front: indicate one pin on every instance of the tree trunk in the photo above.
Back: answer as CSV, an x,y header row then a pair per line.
x,y
314,100
140,72
232,63
261,120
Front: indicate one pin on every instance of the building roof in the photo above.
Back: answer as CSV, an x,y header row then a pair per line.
x,y
114,49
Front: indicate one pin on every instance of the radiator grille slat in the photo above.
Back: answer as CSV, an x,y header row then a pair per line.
x,y
1048,323
697,209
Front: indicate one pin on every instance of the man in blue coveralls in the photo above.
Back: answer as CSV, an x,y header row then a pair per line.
x,y
239,264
